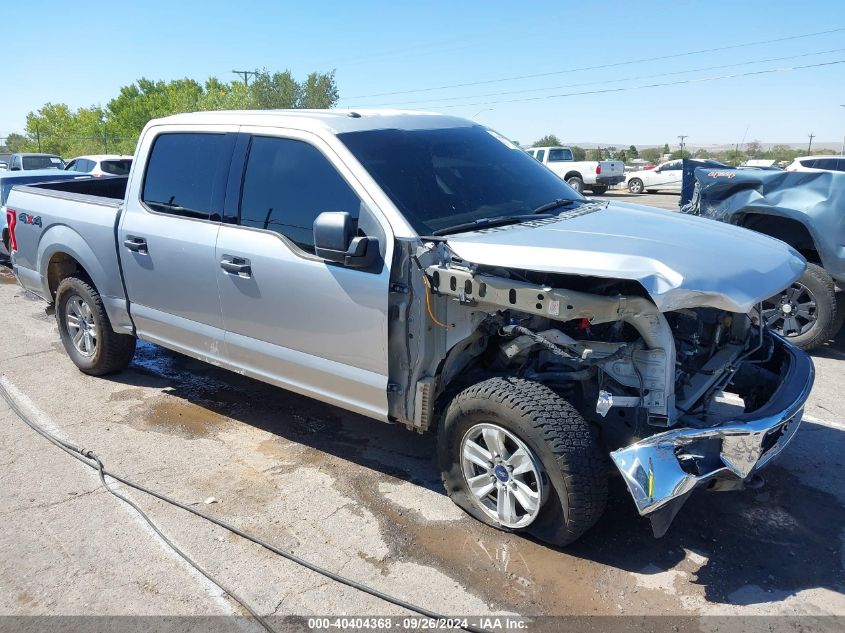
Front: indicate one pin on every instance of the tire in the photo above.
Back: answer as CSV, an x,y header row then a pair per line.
x,y
576,183
807,313
562,449
635,185
599,190
99,349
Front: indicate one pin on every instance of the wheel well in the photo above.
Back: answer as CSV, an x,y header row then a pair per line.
x,y
573,173
62,265
786,230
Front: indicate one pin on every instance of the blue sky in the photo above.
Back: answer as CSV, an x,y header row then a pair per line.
x,y
380,47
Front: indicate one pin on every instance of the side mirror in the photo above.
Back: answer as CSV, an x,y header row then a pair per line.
x,y
335,240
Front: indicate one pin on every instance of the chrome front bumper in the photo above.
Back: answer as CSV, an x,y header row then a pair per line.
x,y
653,470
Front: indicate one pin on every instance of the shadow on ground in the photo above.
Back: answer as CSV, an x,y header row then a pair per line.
x,y
782,538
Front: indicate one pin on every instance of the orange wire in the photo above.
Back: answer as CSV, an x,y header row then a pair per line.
x,y
428,305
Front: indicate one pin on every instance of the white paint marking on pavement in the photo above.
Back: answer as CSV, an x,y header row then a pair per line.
x,y
43,420
833,425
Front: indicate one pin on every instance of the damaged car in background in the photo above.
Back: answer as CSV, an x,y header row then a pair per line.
x,y
432,274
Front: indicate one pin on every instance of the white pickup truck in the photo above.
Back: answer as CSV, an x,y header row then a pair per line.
x,y
595,175
419,269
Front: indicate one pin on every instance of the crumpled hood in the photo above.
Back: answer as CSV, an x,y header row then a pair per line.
x,y
681,261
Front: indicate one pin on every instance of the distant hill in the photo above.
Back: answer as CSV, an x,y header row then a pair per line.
x,y
717,147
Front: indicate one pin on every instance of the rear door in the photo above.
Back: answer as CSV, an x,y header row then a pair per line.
x,y
290,317
167,237
669,177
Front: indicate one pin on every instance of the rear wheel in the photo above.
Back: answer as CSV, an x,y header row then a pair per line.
x,y
518,457
576,183
807,313
87,335
635,185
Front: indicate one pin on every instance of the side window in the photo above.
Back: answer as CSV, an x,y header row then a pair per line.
x,y
808,163
558,155
541,155
287,184
186,174
71,166
826,163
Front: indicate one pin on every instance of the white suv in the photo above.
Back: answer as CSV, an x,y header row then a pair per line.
x,y
817,163
101,165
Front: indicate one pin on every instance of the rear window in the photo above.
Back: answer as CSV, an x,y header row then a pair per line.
x,y
185,172
42,162
116,167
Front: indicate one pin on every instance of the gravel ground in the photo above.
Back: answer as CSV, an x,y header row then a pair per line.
x,y
363,499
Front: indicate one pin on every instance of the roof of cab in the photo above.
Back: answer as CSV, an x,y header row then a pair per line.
x,y
334,121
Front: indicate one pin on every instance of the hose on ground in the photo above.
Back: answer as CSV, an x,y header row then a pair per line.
x,y
90,459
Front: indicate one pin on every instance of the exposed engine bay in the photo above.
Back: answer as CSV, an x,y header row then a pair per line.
x,y
650,382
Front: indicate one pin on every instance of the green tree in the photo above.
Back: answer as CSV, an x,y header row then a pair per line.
x,y
702,153
679,154
633,153
651,154
578,153
18,143
666,149
116,128
549,140
753,149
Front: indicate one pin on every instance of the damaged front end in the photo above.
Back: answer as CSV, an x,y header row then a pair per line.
x,y
662,470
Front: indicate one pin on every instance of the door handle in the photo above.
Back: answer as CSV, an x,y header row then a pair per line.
x,y
236,266
136,244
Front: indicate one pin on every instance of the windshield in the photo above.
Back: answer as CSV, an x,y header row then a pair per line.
x,y
42,162
440,178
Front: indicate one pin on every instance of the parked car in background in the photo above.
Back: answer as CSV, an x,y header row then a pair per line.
x,y
594,175
817,163
101,165
31,161
665,177
4,161
415,268
803,210
9,179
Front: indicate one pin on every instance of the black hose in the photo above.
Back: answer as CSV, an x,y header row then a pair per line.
x,y
90,459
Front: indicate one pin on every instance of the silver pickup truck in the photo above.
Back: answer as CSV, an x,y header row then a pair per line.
x,y
422,270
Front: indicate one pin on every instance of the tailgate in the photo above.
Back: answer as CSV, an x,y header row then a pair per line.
x,y
612,168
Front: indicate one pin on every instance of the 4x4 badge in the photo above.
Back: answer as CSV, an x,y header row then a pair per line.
x,y
25,218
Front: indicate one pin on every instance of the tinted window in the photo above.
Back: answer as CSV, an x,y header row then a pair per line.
x,y
442,177
287,184
183,172
116,167
559,155
825,163
541,154
807,163
42,162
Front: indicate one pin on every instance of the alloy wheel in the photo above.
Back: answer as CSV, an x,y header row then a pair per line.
x,y
502,474
81,326
791,313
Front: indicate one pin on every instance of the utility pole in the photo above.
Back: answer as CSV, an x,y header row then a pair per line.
x,y
246,74
38,135
809,147
681,137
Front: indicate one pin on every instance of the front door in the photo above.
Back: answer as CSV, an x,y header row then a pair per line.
x,y
290,317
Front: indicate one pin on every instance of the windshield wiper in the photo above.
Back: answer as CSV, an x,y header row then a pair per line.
x,y
554,204
488,222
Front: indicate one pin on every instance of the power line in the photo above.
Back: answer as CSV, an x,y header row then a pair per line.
x,y
601,66
246,75
604,81
767,71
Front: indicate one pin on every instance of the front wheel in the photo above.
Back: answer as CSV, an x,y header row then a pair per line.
x,y
88,338
518,457
576,183
807,313
635,185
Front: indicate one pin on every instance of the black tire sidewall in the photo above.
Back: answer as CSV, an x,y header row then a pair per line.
x,y
823,291
73,287
552,525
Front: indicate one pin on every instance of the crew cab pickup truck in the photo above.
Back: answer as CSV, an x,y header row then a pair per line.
x,y
594,175
419,269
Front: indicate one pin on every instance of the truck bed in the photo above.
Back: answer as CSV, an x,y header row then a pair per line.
x,y
77,217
